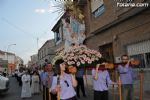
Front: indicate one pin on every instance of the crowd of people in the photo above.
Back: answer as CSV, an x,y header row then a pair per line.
x,y
58,83
29,80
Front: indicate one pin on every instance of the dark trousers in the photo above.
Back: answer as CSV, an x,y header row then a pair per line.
x,y
44,92
80,85
53,96
20,81
47,93
100,95
127,92
73,98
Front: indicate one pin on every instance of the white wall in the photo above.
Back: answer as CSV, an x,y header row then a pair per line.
x,y
9,57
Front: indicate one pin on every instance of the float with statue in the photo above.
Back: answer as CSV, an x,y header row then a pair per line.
x,y
75,53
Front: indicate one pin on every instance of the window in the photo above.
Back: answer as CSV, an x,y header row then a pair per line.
x,y
141,58
147,57
144,59
98,11
107,52
45,52
57,37
58,34
97,7
140,51
42,53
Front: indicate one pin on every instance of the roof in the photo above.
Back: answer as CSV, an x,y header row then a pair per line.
x,y
48,41
56,26
3,52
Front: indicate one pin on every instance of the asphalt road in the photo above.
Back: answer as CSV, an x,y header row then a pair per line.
x,y
14,92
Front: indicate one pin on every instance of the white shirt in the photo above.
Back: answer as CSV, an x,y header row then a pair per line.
x,y
103,80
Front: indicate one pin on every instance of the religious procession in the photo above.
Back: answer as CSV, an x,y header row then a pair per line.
x,y
100,51
63,77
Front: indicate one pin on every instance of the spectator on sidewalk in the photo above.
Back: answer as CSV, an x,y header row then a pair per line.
x,y
80,81
101,80
126,76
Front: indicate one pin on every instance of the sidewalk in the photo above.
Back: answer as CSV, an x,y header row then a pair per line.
x,y
114,94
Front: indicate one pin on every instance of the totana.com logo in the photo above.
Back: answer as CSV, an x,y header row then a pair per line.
x,y
132,4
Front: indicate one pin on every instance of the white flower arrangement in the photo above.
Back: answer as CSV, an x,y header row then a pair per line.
x,y
81,56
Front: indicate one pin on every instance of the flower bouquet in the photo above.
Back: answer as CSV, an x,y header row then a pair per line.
x,y
81,56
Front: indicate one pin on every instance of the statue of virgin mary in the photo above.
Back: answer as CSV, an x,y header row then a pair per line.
x,y
73,27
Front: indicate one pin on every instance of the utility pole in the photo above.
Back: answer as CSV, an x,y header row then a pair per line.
x,y
37,44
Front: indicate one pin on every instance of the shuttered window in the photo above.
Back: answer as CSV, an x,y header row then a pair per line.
x,y
140,51
139,48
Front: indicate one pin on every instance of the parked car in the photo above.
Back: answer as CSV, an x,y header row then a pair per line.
x,y
4,84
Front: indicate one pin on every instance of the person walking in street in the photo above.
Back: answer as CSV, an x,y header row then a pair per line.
x,y
80,81
20,73
26,88
49,80
126,77
35,83
101,80
43,81
63,82
40,71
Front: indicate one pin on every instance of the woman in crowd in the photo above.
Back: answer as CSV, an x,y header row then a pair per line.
x,y
35,83
64,82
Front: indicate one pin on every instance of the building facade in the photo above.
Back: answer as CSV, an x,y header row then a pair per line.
x,y
19,62
34,60
47,51
9,61
115,31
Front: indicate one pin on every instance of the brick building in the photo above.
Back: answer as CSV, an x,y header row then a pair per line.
x,y
117,30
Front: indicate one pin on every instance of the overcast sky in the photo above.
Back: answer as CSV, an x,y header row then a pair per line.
x,y
22,22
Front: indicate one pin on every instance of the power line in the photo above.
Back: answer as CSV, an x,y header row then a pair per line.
x,y
18,28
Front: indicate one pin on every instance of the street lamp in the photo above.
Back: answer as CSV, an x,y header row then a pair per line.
x,y
7,55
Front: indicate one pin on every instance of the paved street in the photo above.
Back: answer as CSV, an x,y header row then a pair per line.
x,y
15,92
